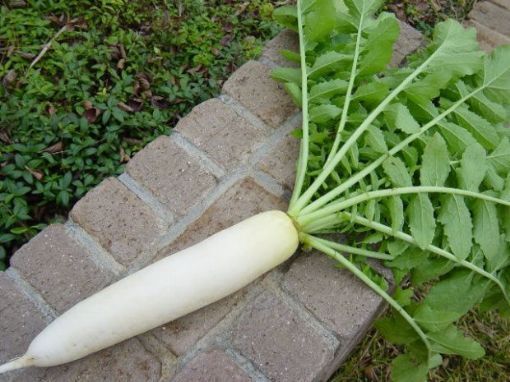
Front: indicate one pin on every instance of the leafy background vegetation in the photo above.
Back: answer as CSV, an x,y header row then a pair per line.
x,y
120,74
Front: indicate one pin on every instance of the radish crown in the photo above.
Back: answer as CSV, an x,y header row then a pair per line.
x,y
416,159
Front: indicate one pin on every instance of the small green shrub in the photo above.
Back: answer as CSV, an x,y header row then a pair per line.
x,y
121,74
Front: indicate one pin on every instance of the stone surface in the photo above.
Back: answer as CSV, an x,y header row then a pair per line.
x,y
333,295
253,87
279,342
409,40
242,200
488,38
492,16
219,131
20,320
126,362
285,40
280,162
180,335
177,179
122,223
502,3
60,269
212,366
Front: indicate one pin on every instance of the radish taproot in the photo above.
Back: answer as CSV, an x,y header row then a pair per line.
x,y
168,289
414,161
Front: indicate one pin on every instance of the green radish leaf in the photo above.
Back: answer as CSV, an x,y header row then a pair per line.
x,y
406,368
421,220
325,90
395,329
286,16
473,168
396,210
292,75
330,61
496,74
434,320
479,127
324,113
457,137
377,50
500,157
397,172
452,341
486,228
458,293
456,219
372,92
375,139
436,164
295,93
399,117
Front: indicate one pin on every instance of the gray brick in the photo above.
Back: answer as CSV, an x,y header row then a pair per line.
x,y
333,295
180,335
253,87
219,131
285,40
20,320
177,179
121,222
60,269
410,40
492,16
488,38
212,366
502,3
242,200
280,343
126,362
280,162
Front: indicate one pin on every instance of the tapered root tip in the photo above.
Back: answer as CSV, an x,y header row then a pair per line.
x,y
17,363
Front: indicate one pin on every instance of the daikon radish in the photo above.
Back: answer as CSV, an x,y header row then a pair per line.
x,y
166,290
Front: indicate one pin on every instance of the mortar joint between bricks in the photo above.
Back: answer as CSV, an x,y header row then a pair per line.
x,y
245,113
247,365
148,198
32,294
209,164
196,211
99,255
334,341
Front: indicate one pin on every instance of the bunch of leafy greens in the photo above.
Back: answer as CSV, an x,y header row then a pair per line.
x,y
120,74
414,160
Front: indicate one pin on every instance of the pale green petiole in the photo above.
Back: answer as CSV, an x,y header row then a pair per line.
x,y
331,252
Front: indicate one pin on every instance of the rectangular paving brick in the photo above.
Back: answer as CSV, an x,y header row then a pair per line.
x,y
334,296
219,131
280,162
285,40
126,362
409,41
252,86
502,3
279,342
242,200
60,269
20,320
123,224
488,38
492,16
180,335
177,179
212,365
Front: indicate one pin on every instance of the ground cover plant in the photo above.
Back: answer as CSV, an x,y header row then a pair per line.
x,y
412,163
116,75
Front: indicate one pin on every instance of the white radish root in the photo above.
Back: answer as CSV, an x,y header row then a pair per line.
x,y
166,290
